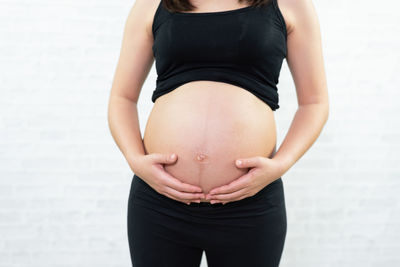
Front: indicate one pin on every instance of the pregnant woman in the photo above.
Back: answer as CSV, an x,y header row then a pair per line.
x,y
218,64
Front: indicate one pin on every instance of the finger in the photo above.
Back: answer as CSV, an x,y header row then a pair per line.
x,y
235,185
164,158
231,196
175,183
177,199
183,195
232,200
224,202
249,162
217,201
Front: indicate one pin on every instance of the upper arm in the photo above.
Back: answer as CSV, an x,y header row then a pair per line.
x,y
136,55
304,57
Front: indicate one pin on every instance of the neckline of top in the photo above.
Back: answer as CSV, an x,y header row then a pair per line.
x,y
232,11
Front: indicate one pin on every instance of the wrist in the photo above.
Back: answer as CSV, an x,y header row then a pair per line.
x,y
133,161
284,164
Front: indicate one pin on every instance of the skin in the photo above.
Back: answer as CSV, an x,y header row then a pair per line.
x,y
305,62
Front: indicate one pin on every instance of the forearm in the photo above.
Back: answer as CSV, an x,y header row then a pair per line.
x,y
305,128
124,127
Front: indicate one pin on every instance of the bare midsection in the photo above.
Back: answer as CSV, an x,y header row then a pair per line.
x,y
209,125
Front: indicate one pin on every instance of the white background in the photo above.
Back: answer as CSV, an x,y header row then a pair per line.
x,y
64,184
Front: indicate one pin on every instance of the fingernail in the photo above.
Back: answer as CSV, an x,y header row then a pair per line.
x,y
239,162
172,156
197,201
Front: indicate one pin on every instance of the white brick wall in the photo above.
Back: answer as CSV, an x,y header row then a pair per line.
x,y
64,184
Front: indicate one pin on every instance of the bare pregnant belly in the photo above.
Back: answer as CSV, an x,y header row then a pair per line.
x,y
209,125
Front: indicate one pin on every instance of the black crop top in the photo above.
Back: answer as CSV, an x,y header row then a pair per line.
x,y
244,47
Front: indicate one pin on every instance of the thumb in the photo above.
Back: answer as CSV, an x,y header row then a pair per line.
x,y
165,158
248,162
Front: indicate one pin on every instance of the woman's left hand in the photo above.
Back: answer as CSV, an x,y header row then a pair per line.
x,y
263,171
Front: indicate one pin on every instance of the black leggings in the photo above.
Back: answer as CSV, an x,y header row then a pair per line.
x,y
164,232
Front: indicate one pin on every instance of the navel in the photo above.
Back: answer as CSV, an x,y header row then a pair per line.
x,y
201,157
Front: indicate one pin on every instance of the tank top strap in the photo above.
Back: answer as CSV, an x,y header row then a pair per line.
x,y
280,16
160,16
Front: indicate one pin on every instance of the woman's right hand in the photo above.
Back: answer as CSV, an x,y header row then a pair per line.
x,y
150,168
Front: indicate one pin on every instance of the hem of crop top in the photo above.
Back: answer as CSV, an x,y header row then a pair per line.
x,y
271,98
274,106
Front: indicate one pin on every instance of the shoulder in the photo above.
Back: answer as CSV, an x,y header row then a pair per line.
x,y
143,11
296,12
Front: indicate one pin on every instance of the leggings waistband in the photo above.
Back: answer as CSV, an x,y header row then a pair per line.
x,y
268,191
